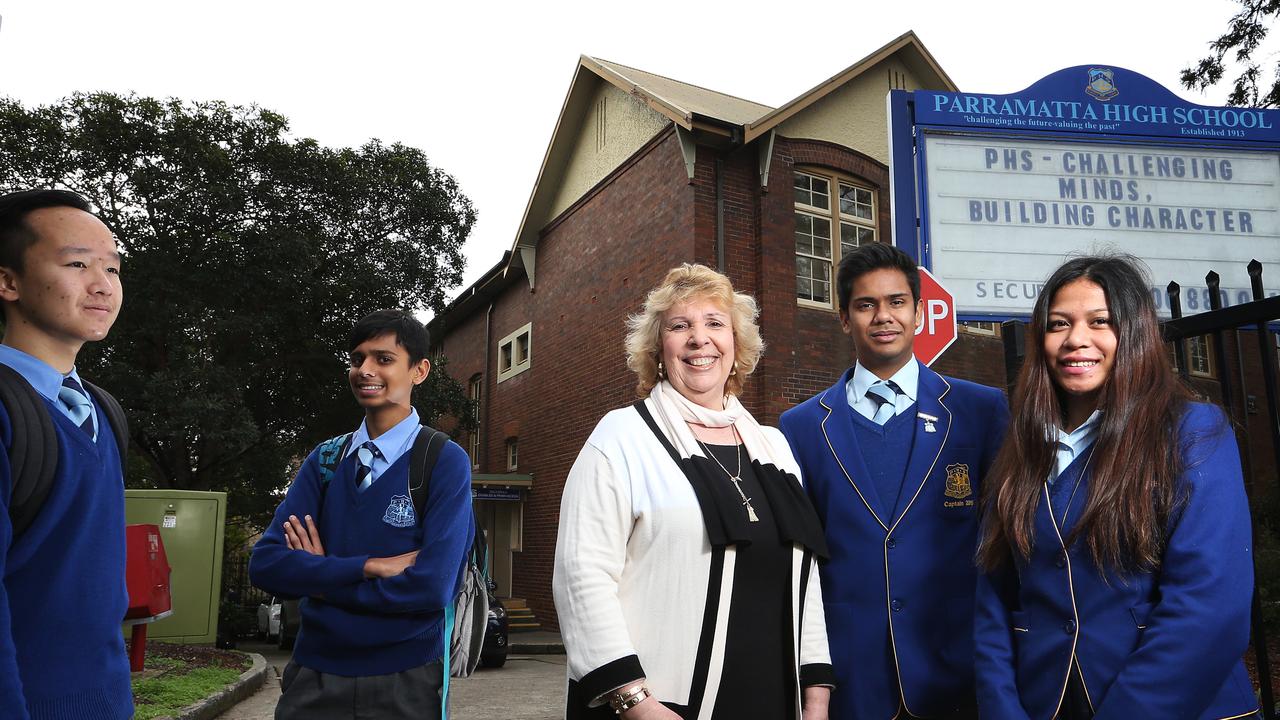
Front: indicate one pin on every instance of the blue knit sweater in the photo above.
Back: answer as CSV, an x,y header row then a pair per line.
x,y
357,627
61,652
887,451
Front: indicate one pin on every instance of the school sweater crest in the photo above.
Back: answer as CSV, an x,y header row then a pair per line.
x,y
61,651
357,627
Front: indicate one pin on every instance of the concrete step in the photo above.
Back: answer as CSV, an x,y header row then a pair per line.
x,y
522,620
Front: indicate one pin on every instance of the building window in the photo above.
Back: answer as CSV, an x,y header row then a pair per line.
x,y
826,228
474,388
1200,356
979,327
513,454
515,353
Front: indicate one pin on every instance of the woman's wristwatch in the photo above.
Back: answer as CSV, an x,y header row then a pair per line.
x,y
628,697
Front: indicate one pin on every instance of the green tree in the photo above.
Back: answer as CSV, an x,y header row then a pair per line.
x,y
248,256
1245,33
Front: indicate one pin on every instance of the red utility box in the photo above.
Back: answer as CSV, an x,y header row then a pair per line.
x,y
147,577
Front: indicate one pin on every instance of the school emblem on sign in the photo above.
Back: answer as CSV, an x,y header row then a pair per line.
x,y
958,486
400,512
1102,84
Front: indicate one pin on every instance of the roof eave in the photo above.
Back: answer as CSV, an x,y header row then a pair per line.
x,y
763,125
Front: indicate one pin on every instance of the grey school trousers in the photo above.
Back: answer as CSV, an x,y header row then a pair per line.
x,y
413,694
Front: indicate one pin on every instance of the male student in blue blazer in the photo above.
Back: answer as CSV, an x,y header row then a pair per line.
x,y
893,455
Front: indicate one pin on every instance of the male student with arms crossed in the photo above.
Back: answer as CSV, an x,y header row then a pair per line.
x,y
375,579
892,456
61,651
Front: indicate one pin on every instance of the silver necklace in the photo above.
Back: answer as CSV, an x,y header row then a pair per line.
x,y
735,477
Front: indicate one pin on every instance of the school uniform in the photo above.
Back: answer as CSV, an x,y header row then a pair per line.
x,y
364,642
899,504
62,655
1056,630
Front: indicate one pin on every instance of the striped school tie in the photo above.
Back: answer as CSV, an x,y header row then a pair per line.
x,y
885,394
72,395
367,452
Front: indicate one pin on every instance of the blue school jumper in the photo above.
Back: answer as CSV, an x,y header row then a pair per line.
x,y
356,627
1150,645
898,590
61,651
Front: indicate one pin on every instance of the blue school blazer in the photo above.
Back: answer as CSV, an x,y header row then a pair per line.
x,y
898,590
1153,645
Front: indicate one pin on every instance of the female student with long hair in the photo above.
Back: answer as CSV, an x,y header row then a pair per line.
x,y
1116,542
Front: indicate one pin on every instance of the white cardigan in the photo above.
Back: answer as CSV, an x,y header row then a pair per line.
x,y
633,565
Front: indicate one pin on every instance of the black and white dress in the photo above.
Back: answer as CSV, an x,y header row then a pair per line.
x,y
660,574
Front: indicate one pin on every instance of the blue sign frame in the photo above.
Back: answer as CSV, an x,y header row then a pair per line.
x,y
1084,103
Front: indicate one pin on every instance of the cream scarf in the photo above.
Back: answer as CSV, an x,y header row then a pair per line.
x,y
674,411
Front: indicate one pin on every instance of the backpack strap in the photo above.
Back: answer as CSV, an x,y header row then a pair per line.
x,y
115,417
331,452
33,450
422,462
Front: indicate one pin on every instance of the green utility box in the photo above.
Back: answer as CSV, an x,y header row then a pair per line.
x,y
192,525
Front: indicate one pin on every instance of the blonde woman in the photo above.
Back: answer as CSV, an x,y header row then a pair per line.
x,y
685,576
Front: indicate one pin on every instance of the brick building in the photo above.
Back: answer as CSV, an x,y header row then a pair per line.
x,y
642,173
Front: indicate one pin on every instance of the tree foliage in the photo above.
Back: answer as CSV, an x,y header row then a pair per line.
x,y
248,256
1245,34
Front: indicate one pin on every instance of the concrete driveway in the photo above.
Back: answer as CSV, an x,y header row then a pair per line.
x,y
528,687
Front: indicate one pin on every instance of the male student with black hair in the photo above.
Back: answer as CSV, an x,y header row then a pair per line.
x,y
375,578
893,456
63,597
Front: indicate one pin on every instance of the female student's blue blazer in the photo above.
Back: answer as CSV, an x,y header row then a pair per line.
x,y
1163,645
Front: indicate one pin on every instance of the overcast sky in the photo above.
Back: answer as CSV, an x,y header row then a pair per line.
x,y
478,85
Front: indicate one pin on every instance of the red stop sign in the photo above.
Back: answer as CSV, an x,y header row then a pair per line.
x,y
938,326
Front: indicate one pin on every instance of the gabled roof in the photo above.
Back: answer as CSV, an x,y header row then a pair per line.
x,y
689,107
679,101
684,104
914,55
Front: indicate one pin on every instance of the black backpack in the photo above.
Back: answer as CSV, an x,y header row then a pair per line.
x,y
33,452
468,618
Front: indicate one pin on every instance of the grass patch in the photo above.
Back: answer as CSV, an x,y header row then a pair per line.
x,y
167,694
175,676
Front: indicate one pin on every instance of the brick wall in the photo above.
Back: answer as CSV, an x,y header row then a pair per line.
x,y
594,265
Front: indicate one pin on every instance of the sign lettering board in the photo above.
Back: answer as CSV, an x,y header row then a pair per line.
x,y
1089,159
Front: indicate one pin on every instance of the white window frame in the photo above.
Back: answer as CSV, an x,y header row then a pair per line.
x,y
1191,347
836,219
510,362
475,391
980,327
513,453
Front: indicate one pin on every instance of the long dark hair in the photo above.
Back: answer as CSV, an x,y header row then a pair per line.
x,y
1136,460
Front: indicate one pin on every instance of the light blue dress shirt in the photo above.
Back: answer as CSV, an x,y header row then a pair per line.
x,y
907,379
46,381
1070,445
391,444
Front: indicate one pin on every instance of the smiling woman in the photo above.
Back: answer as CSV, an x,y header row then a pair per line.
x,y
687,545
1119,572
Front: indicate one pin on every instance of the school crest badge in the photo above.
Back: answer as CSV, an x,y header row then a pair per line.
x,y
400,512
958,486
1102,84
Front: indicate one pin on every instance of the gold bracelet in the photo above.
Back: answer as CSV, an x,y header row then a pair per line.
x,y
627,698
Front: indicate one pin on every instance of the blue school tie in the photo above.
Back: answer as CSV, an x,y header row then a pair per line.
x,y
367,452
74,397
885,394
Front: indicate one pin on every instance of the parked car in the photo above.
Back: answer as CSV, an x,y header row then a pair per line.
x,y
496,640
290,621
269,620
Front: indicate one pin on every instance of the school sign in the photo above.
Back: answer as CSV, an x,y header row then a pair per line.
x,y
992,192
